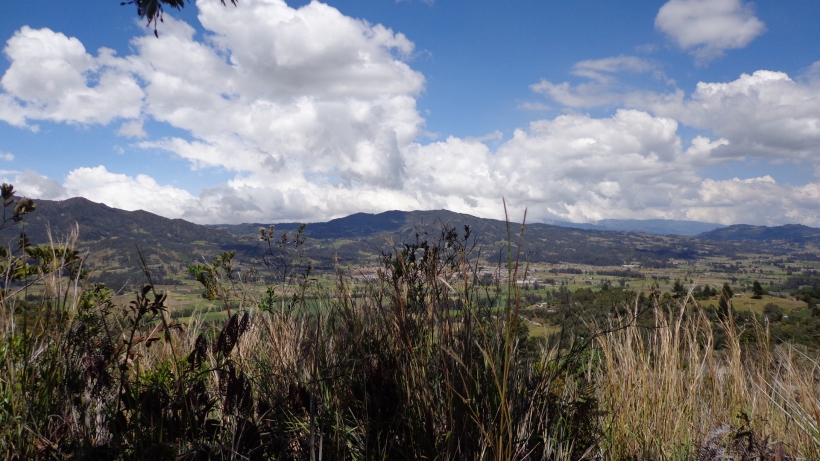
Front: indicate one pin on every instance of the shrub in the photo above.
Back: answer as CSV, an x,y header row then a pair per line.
x,y
773,312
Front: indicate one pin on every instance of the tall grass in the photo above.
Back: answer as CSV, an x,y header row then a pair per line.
x,y
427,364
669,393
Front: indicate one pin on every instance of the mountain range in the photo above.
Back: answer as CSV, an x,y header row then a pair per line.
x,y
112,236
364,224
649,226
796,233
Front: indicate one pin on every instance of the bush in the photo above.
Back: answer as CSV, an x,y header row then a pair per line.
x,y
773,312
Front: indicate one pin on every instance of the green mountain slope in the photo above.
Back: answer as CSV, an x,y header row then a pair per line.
x,y
649,226
98,222
348,239
112,236
796,233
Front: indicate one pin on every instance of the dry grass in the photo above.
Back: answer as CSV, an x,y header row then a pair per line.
x,y
669,394
427,364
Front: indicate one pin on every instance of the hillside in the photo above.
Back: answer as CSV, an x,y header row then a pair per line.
x,y
352,238
354,226
112,236
795,233
649,226
101,222
361,238
363,224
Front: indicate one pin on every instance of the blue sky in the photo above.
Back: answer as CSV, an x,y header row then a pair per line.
x,y
706,110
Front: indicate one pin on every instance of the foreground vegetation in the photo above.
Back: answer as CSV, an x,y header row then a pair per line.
x,y
427,360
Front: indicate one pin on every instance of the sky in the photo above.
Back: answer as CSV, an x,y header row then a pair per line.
x,y
274,111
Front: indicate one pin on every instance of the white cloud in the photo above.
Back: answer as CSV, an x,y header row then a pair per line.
x,y
132,129
51,76
33,185
603,86
812,73
707,28
580,168
10,112
582,95
599,69
97,184
567,166
285,52
314,113
766,115
6,156
303,92
756,200
574,167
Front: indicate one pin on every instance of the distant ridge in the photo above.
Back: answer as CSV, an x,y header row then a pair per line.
x,y
365,224
112,236
351,235
797,233
118,233
356,225
649,226
98,222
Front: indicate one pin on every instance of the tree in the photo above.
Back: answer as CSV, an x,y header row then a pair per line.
x,y
725,303
153,9
678,289
773,312
757,290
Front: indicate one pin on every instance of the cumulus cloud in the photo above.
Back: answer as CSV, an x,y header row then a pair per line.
x,y
765,115
577,96
707,28
132,129
575,167
97,184
33,185
303,92
756,200
311,50
569,166
314,114
52,77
